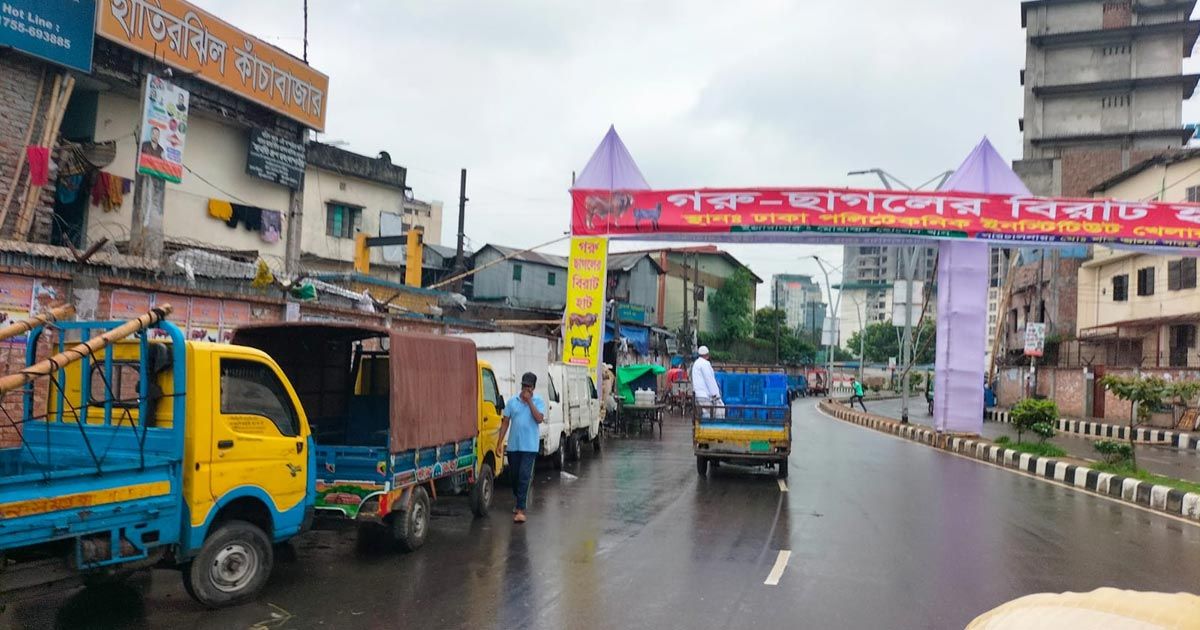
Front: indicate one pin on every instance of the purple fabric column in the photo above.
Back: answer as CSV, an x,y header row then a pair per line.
x,y
961,328
962,301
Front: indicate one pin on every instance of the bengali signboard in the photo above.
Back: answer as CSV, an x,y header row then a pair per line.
x,y
59,31
164,130
631,313
1035,339
275,159
188,38
1020,220
583,326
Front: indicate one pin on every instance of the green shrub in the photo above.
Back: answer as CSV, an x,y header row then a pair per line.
x,y
1003,440
1113,452
1044,431
1030,411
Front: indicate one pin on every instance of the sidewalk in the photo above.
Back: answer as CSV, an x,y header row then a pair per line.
x,y
1167,461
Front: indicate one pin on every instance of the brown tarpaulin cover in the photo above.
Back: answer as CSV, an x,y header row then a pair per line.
x,y
434,379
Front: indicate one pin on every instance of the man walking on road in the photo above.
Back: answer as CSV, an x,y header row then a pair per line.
x,y
704,384
523,414
858,395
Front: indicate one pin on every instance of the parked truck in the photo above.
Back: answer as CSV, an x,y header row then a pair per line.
x,y
398,418
573,405
171,453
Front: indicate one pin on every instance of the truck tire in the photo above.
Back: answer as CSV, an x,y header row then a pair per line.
x,y
482,491
410,527
232,566
783,468
596,444
702,465
573,447
560,456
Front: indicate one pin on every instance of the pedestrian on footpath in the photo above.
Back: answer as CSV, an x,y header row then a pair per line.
x,y
704,385
523,415
858,395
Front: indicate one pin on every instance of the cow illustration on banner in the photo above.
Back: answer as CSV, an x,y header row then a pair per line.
x,y
583,318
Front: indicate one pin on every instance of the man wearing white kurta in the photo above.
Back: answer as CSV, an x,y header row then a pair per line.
x,y
704,384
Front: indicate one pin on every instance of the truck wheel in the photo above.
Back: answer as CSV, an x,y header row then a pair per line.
x,y
783,465
481,493
411,526
596,444
560,456
702,465
232,566
573,448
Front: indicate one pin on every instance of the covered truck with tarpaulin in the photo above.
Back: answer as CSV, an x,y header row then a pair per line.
x,y
397,417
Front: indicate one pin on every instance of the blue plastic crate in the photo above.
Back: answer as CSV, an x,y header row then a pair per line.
x,y
775,381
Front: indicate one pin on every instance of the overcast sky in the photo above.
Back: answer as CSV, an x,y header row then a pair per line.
x,y
704,93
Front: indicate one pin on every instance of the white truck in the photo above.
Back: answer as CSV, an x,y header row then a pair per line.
x,y
573,414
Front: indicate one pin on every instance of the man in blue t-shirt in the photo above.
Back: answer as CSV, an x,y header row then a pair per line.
x,y
523,414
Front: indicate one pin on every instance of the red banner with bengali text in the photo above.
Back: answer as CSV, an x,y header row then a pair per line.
x,y
839,211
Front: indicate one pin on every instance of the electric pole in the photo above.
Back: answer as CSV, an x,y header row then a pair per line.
x,y
459,262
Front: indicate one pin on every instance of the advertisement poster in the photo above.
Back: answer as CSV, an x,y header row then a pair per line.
x,y
814,214
127,305
16,297
234,314
164,130
180,311
1035,339
205,322
59,31
583,329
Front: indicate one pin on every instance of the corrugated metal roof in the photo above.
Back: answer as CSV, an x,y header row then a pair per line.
x,y
627,261
549,260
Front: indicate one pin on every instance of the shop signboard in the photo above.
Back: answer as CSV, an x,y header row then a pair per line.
x,y
59,31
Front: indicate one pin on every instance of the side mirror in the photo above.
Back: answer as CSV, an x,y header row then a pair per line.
x,y
500,404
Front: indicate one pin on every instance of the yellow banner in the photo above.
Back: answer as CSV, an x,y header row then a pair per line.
x,y
583,320
184,36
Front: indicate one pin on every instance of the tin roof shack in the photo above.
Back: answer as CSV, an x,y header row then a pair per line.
x,y
372,386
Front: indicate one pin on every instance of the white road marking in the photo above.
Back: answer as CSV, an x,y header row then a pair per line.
x,y
782,485
777,571
568,476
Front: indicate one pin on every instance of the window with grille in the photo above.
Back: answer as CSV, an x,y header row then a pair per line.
x,y
1120,285
1181,274
516,273
1193,194
341,220
1145,281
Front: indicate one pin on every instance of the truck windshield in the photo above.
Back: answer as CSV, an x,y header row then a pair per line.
x,y
249,387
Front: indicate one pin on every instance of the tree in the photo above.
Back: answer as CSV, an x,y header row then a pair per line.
x,y
882,341
1146,394
733,306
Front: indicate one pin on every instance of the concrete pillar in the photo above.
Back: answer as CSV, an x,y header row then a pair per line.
x,y
961,331
295,220
146,229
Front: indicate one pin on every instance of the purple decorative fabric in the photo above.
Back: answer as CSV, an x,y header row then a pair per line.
x,y
962,301
611,167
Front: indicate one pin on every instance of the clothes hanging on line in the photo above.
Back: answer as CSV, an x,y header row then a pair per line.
x,y
272,226
39,165
67,190
249,216
108,191
221,210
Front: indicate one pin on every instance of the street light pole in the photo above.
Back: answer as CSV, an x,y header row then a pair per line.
x,y
832,319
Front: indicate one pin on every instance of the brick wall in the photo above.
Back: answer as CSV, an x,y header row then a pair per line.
x,y
1118,14
19,78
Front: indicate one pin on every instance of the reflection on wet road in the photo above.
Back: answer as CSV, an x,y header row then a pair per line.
x,y
882,533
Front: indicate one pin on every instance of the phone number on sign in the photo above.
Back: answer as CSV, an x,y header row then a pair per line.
x,y
36,33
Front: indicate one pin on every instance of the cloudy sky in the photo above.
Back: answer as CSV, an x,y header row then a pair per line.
x,y
751,93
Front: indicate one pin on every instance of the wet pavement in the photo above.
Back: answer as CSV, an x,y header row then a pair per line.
x,y
883,533
1161,460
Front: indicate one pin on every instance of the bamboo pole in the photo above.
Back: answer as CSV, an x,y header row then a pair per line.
x,y
85,349
50,134
16,177
26,325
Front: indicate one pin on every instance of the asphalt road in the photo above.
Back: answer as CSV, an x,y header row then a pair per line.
x,y
1161,460
883,533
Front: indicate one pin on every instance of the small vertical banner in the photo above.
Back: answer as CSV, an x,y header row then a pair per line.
x,y
583,319
164,130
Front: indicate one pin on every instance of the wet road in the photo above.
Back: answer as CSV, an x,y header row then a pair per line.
x,y
882,533
1161,460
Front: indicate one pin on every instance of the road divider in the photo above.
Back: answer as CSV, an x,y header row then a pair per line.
x,y
1134,491
1087,428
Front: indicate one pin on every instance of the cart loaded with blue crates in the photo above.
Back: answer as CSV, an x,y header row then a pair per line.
x,y
750,426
